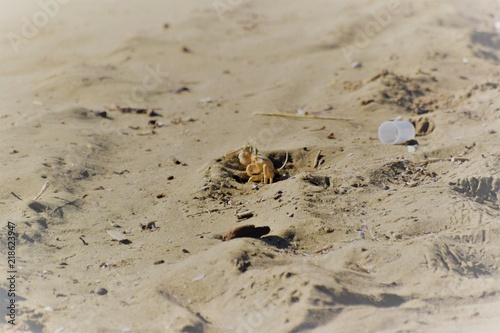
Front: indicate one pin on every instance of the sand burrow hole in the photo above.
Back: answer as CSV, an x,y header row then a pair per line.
x,y
229,172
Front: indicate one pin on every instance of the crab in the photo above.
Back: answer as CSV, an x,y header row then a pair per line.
x,y
258,166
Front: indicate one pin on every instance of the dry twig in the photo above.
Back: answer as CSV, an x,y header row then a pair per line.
x,y
298,116
316,160
451,159
44,188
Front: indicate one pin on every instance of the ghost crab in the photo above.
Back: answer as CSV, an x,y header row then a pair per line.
x,y
258,167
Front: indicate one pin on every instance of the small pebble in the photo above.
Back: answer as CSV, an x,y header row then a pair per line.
x,y
356,64
412,145
180,89
102,114
101,291
412,149
153,113
148,226
206,100
199,277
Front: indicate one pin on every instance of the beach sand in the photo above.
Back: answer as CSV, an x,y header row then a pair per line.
x,y
364,237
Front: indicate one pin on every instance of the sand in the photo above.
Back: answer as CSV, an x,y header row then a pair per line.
x,y
364,237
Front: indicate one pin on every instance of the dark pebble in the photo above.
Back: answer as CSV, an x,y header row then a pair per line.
x,y
180,89
246,231
101,291
412,142
102,114
153,113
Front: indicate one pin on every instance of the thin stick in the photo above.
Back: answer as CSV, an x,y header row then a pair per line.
x,y
44,188
316,159
209,211
18,197
305,116
327,248
451,159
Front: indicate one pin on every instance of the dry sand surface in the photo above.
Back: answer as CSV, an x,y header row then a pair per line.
x,y
364,237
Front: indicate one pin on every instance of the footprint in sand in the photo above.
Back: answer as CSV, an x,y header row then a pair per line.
x,y
423,126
